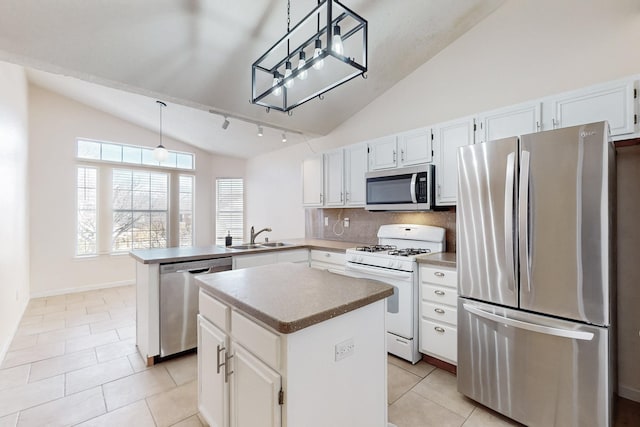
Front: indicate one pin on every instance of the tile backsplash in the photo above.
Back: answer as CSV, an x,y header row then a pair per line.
x,y
363,225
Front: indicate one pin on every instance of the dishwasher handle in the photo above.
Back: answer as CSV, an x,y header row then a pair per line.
x,y
197,271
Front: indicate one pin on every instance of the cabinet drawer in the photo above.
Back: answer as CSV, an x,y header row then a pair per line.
x,y
262,343
439,340
439,276
213,310
295,255
439,312
439,294
328,257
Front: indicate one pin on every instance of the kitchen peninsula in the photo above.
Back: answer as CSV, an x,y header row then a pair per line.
x,y
288,345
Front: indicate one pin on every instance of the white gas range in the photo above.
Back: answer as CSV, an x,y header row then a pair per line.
x,y
393,261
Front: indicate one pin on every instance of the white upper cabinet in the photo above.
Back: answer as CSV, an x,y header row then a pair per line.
x,y
312,181
383,153
448,137
511,121
415,147
613,102
334,178
355,162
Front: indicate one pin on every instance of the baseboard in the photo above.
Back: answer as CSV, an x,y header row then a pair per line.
x,y
7,343
629,393
440,364
82,288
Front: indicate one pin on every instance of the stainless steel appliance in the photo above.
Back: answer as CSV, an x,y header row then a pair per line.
x,y
179,302
536,276
393,261
406,189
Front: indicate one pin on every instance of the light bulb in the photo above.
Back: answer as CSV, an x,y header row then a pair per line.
x,y
160,153
316,53
277,91
302,74
288,82
336,41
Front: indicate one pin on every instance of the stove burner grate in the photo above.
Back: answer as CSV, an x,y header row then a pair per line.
x,y
376,248
409,252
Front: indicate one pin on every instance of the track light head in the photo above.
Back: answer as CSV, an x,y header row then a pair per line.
x,y
260,133
225,124
284,137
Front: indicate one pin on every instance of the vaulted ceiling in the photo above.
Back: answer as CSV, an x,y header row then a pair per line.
x,y
120,55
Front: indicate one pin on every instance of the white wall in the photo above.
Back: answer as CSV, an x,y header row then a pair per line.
x,y
14,230
524,50
55,123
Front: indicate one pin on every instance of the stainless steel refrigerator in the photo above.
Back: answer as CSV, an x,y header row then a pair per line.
x,y
535,258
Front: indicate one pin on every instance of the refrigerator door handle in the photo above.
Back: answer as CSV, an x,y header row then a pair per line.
x,y
508,220
523,219
534,327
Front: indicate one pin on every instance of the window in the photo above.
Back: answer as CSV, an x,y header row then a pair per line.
x,y
229,208
131,154
140,210
87,213
185,210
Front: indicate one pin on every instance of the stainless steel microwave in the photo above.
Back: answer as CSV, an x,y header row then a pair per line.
x,y
406,189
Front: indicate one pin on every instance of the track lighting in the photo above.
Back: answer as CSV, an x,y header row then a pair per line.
x,y
284,137
225,124
260,133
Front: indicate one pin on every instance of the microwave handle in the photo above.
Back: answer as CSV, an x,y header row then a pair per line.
x,y
414,177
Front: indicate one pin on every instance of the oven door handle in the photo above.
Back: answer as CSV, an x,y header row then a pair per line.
x,y
391,274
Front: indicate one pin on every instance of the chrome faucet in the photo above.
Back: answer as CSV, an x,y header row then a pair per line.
x,y
252,239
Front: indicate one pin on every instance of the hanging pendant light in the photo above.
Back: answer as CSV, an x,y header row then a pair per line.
x,y
343,58
160,153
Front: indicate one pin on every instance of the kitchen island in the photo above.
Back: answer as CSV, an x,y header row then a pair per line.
x,y
288,345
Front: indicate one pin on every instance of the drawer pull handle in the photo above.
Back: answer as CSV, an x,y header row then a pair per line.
x,y
438,310
327,255
439,329
227,372
219,365
441,293
439,274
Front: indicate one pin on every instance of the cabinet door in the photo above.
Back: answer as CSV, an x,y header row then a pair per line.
x,y
448,137
246,261
255,390
333,178
612,102
383,153
512,121
312,182
415,147
354,181
213,393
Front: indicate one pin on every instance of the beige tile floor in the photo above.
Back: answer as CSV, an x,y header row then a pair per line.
x,y
73,361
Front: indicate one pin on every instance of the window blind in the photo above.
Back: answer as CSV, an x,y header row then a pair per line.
x,y
229,209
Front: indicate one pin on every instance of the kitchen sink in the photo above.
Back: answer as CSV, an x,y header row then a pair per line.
x,y
245,246
274,244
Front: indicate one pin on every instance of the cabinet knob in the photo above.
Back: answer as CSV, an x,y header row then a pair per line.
x,y
327,255
440,293
439,274
438,310
439,329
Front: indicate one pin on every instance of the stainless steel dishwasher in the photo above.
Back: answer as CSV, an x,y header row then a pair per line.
x,y
179,302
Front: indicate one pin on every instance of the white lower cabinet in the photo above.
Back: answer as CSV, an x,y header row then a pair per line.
x,y
438,313
235,387
327,260
254,260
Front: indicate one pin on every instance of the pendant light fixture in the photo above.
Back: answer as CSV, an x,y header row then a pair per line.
x,y
273,77
160,153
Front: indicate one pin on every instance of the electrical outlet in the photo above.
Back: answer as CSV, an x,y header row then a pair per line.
x,y
346,222
326,221
345,349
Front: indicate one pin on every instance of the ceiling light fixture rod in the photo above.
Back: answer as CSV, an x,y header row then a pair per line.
x,y
255,122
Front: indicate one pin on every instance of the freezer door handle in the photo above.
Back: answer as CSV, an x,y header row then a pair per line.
x,y
508,219
534,327
523,219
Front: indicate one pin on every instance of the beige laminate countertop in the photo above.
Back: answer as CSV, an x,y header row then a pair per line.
x,y
169,255
442,259
289,297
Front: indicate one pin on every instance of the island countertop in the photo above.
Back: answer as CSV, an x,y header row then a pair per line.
x,y
169,255
289,297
